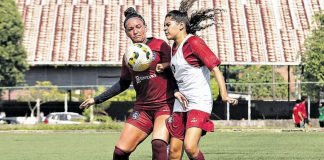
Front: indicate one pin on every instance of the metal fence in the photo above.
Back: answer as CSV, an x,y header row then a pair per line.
x,y
277,99
257,91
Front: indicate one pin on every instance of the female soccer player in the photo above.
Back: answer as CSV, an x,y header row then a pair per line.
x,y
191,62
154,94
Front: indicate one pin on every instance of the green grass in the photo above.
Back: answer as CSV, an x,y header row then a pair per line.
x,y
218,145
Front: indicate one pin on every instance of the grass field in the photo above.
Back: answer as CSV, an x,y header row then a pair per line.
x,y
218,145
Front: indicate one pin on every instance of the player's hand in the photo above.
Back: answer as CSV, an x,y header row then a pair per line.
x,y
159,68
182,99
231,101
87,103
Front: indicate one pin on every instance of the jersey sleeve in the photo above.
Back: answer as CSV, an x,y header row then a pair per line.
x,y
125,72
165,53
203,52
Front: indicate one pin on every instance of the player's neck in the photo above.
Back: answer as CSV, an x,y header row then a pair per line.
x,y
181,36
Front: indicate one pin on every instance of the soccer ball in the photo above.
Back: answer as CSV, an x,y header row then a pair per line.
x,y
139,57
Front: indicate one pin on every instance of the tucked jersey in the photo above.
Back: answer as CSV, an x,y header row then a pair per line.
x,y
153,90
295,114
302,108
190,64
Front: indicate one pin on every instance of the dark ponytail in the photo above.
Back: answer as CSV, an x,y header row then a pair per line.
x,y
192,23
130,13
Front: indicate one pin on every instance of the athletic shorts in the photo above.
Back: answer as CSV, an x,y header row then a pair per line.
x,y
144,119
178,122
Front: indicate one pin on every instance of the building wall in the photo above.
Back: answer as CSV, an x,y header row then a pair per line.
x,y
73,75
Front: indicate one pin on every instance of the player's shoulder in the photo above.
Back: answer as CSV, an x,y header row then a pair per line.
x,y
157,40
195,40
157,44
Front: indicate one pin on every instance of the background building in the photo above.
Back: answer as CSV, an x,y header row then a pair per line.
x,y
81,42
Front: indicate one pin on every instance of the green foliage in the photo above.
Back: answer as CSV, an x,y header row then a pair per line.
x,y
12,54
44,91
103,119
214,87
257,74
99,109
86,113
313,57
128,95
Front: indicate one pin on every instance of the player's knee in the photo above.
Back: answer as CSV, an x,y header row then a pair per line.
x,y
175,153
191,148
120,154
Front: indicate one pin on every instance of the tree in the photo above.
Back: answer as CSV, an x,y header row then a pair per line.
x,y
42,92
259,75
313,57
12,54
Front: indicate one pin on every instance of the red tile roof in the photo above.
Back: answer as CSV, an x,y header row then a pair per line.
x,y
92,32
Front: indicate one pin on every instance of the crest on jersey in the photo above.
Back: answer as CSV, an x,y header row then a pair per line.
x,y
170,120
135,115
193,120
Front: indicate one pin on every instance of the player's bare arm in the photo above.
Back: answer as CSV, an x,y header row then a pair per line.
x,y
300,116
221,82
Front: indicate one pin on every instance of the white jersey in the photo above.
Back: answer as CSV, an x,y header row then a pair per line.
x,y
193,83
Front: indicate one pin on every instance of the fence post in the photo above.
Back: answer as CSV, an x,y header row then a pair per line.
x,y
65,103
227,111
308,106
249,107
38,110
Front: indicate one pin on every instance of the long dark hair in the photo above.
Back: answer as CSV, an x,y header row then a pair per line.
x,y
192,23
130,13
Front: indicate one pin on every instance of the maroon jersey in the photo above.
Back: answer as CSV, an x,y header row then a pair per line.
x,y
153,90
197,53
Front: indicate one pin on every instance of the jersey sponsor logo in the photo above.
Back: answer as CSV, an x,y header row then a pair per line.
x,y
135,115
139,79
